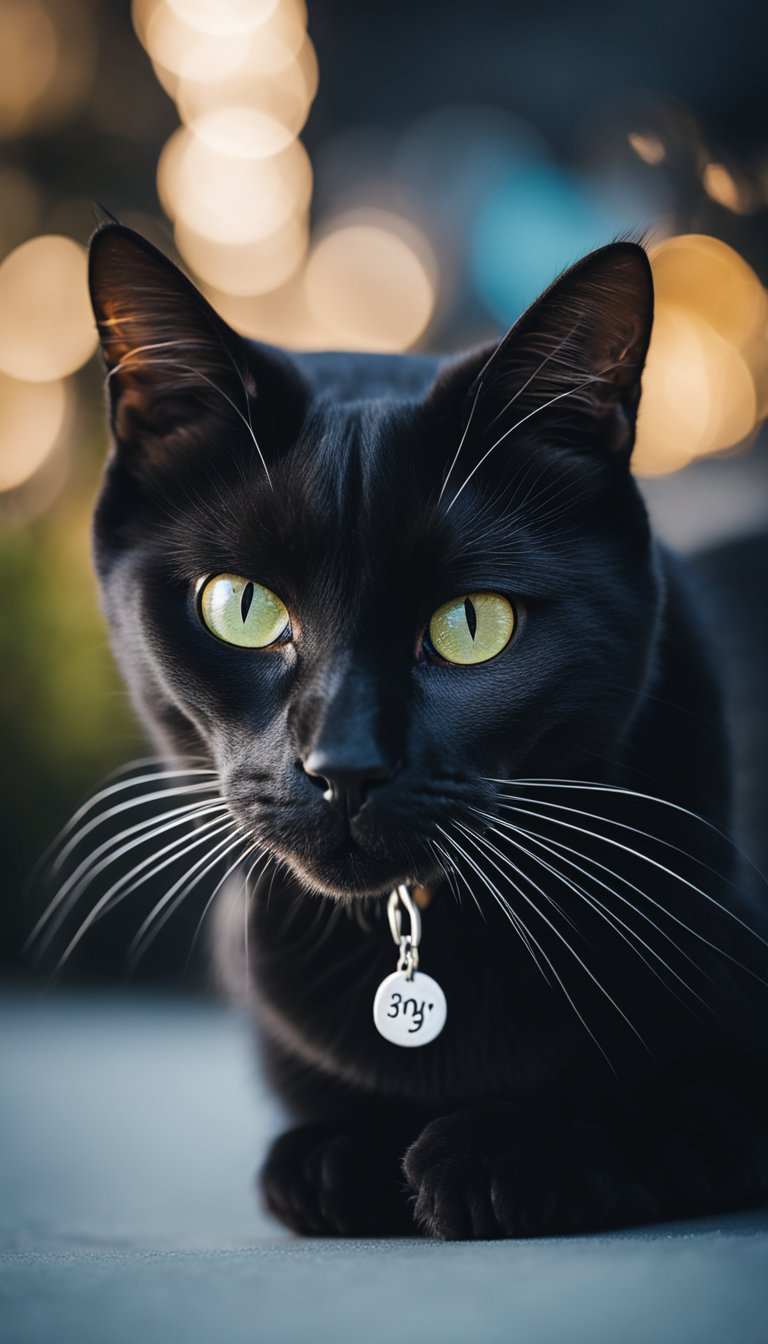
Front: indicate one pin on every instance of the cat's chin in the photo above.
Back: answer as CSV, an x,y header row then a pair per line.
x,y
354,875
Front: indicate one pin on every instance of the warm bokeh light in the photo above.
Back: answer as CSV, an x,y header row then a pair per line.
x,y
698,394
368,283
31,420
705,276
28,51
734,190
279,316
242,132
274,45
721,186
181,49
228,198
234,178
647,147
46,325
287,96
707,372
265,45
245,268
47,62
223,16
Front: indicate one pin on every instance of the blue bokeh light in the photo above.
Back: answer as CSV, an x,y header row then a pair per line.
x,y
536,222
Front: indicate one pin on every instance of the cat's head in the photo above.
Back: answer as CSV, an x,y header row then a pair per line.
x,y
365,587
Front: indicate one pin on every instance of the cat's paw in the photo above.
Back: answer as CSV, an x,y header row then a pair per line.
x,y
490,1172
322,1182
486,1174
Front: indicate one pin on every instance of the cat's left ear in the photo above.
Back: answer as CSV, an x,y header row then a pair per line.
x,y
171,361
158,334
568,373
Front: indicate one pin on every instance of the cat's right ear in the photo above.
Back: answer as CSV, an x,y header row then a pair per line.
x,y
566,377
170,359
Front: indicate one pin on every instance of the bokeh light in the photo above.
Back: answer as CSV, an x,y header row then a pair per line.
x,y
28,53
181,49
242,132
732,189
264,42
245,268
287,96
705,276
721,185
648,147
536,222
233,177
223,16
47,63
707,369
279,316
46,325
226,197
32,417
368,283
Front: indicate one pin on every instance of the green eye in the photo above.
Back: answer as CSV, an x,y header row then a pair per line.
x,y
473,628
242,612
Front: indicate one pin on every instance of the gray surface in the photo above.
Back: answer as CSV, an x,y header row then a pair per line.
x,y
128,1134
713,501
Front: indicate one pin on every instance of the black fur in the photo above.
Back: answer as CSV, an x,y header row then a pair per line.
x,y
610,1083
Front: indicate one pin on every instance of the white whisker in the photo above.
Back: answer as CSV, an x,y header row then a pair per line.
x,y
119,808
482,841
461,441
70,890
447,869
646,858
240,859
190,368
590,786
564,849
505,906
550,355
569,392
96,798
167,905
615,921
695,933
120,889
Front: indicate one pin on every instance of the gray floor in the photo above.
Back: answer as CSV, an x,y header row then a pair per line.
x,y
129,1130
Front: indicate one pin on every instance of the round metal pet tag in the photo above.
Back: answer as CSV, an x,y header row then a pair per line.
x,y
409,1011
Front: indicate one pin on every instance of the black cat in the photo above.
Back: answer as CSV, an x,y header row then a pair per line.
x,y
411,613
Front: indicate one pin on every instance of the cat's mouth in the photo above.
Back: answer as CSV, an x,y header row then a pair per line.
x,y
348,865
384,844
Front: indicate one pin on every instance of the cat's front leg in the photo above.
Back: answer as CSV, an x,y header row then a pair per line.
x,y
341,1179
489,1171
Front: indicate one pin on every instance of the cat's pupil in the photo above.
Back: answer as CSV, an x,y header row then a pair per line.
x,y
471,615
245,601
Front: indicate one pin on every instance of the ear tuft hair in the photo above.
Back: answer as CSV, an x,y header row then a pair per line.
x,y
102,216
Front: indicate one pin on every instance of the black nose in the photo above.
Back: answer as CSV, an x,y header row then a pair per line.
x,y
345,785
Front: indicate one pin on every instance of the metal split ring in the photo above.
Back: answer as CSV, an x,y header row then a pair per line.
x,y
408,943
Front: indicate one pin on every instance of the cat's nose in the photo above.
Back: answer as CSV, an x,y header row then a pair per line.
x,y
345,785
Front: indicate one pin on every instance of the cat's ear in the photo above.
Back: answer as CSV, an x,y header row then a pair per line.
x,y
568,373
169,357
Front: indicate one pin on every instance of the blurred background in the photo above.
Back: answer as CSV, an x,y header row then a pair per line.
x,y
335,174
